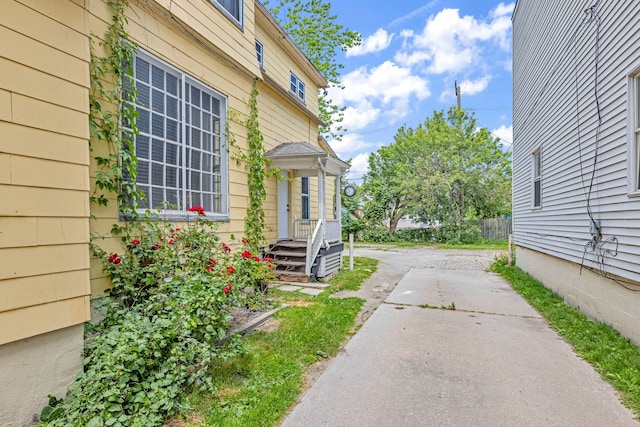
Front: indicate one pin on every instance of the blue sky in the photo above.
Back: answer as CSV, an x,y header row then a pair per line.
x,y
412,53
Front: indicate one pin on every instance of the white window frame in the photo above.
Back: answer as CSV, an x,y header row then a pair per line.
x,y
537,178
633,129
183,158
226,6
305,194
260,53
297,87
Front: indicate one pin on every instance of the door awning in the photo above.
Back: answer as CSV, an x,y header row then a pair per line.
x,y
305,159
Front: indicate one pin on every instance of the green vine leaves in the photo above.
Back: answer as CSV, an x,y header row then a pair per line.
x,y
112,115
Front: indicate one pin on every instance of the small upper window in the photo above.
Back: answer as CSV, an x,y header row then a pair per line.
x,y
232,8
305,198
537,179
297,87
260,53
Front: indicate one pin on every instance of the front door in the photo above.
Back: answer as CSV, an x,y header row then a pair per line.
x,y
283,209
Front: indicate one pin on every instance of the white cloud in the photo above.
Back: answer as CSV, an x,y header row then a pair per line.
x,y
450,43
471,87
378,41
414,13
502,10
505,134
359,167
360,116
386,82
350,143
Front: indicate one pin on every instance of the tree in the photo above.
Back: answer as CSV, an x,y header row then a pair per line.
x,y
447,171
315,31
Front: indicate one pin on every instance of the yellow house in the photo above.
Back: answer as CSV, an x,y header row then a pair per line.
x,y
195,68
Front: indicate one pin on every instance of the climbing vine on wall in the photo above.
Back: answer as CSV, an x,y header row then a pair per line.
x,y
256,166
112,115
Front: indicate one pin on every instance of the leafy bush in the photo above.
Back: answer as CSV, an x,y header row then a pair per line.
x,y
166,322
377,234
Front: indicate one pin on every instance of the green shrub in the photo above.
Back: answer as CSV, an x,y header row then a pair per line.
x,y
166,321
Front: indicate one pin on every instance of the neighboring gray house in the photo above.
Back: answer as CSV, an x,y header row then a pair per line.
x,y
576,179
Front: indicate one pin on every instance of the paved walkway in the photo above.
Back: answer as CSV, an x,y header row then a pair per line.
x,y
492,361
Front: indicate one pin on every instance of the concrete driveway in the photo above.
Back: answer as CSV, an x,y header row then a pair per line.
x,y
492,361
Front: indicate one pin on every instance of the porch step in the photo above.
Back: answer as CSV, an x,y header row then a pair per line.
x,y
292,276
288,263
288,254
292,244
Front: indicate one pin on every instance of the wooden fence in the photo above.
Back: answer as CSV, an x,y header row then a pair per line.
x,y
495,229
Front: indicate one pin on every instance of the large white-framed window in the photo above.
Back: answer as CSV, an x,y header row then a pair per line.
x,y
260,53
231,8
537,178
182,157
297,87
306,198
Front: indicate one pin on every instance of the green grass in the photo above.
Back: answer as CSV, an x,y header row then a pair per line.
x,y
615,357
351,280
258,388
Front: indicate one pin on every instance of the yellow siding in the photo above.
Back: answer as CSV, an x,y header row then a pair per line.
x,y
44,174
44,318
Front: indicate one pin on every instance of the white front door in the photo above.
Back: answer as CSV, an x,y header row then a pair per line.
x,y
283,209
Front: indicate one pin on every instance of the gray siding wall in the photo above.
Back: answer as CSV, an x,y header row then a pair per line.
x,y
554,67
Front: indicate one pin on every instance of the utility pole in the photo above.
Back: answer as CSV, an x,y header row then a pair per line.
x,y
457,92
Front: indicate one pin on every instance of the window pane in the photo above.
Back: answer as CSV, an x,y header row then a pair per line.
x,y
142,70
157,150
537,195
172,130
144,98
158,125
158,101
231,6
172,107
142,147
172,154
172,85
157,78
143,120
143,172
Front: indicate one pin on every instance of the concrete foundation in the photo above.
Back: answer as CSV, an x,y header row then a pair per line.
x,y
597,297
33,368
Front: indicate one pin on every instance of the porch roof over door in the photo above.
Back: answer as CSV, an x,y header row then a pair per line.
x,y
305,159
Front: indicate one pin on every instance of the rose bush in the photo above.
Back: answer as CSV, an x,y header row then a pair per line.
x,y
166,321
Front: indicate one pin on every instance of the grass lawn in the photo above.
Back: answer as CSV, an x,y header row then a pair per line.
x,y
616,358
258,388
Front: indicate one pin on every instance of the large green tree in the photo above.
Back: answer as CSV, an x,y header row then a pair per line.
x,y
314,29
447,171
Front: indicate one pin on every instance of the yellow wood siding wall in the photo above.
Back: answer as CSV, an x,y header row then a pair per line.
x,y
44,167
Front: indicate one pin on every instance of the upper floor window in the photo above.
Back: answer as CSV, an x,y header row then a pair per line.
x,y
297,87
537,179
260,53
182,161
232,8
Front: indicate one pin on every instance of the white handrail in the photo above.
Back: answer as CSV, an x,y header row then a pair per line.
x,y
314,243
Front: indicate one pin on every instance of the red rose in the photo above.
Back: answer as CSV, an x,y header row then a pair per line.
x,y
267,259
256,259
170,241
246,254
211,262
230,269
155,247
226,247
135,242
227,288
114,259
209,268
198,209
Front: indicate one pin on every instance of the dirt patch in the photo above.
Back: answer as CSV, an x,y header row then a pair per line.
x,y
300,303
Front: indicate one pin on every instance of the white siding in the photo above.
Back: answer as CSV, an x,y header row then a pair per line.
x,y
554,74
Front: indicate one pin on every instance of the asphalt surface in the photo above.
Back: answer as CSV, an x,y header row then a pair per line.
x,y
491,361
